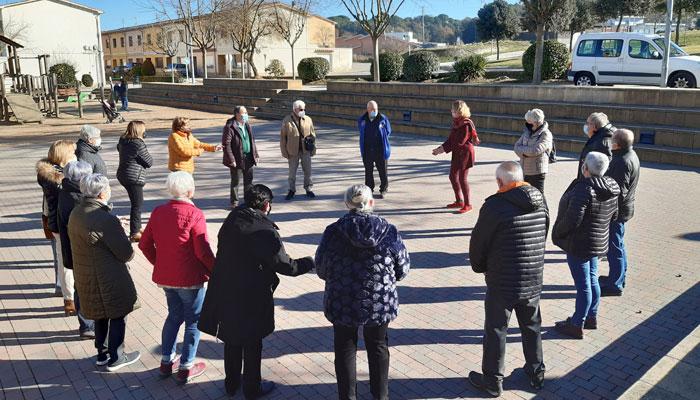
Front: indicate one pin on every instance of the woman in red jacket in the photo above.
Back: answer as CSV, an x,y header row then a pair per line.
x,y
461,143
175,242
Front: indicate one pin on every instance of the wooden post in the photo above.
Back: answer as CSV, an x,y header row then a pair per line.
x,y
3,113
54,87
45,93
80,101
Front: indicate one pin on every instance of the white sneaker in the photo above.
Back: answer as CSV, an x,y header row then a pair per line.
x,y
123,361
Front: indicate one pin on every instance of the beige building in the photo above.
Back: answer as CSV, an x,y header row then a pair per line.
x,y
139,43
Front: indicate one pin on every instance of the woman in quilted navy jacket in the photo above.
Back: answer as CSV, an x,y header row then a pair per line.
x,y
134,159
361,257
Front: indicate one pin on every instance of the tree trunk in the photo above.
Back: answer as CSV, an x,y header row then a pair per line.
x,y
678,26
294,66
539,55
253,66
619,23
204,62
498,49
375,60
571,41
242,66
172,74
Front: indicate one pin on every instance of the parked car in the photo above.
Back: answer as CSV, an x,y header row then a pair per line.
x,y
179,68
122,69
630,58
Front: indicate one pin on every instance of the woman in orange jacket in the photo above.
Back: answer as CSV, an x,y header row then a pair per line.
x,y
183,147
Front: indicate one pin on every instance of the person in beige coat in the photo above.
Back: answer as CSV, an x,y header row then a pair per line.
x,y
298,144
534,147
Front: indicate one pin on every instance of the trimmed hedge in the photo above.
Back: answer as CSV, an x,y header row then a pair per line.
x,y
470,68
65,73
420,66
275,69
147,68
313,69
555,60
390,66
87,80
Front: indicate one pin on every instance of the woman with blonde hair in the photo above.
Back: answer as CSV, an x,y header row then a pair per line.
x,y
460,143
134,160
183,147
49,175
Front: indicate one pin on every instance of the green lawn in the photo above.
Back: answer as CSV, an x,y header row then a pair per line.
x,y
446,54
514,63
690,41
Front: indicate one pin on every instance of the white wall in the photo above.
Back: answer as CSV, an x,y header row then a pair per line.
x,y
58,30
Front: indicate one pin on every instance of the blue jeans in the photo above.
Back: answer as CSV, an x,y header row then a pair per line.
x,y
184,305
617,256
585,274
86,325
125,103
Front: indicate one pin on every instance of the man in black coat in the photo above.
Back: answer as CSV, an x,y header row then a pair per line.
x,y
508,247
599,131
624,168
240,152
88,147
239,307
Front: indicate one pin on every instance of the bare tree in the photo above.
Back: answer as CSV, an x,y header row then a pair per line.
x,y
12,29
167,43
542,14
201,19
289,22
374,21
324,36
249,23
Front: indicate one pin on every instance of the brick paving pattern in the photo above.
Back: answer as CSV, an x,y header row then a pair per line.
x,y
436,339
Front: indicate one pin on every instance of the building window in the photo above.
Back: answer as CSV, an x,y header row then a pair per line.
x,y
148,38
131,41
114,62
121,61
130,61
138,40
182,36
107,43
159,62
114,43
121,42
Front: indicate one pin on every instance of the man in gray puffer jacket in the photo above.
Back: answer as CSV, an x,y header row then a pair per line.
x,y
534,147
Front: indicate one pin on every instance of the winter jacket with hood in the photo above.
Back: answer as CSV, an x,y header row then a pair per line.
x,y
384,127
508,242
582,227
601,141
238,307
134,159
533,148
624,168
68,198
90,154
461,142
361,257
49,177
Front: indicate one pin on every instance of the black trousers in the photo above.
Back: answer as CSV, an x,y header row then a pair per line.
x,y
136,198
247,175
247,357
109,336
377,344
536,181
498,314
381,163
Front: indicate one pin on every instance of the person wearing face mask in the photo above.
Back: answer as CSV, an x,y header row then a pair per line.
x,y
239,306
240,151
460,143
375,131
101,251
298,144
533,148
87,149
599,132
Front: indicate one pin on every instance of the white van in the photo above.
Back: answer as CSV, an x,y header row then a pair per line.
x,y
629,58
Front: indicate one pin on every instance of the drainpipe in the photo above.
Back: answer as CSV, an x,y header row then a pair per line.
x,y
101,62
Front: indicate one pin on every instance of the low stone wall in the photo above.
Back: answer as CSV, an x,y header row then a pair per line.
x,y
253,84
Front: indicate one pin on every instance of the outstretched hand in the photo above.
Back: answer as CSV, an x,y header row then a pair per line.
x,y
438,150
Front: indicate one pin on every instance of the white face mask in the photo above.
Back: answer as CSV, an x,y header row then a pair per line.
x,y
301,114
97,142
585,129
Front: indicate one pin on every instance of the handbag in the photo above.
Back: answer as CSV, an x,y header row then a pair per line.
x,y
45,224
310,143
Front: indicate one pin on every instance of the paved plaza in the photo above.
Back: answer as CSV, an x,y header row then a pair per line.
x,y
436,339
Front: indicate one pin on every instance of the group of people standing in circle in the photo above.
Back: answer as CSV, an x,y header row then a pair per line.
x,y
361,257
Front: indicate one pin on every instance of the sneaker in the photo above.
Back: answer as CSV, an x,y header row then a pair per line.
x,y
536,380
186,375
456,204
477,380
382,194
265,388
379,195
123,361
607,291
591,323
168,368
87,335
290,195
569,329
102,359
464,210
310,194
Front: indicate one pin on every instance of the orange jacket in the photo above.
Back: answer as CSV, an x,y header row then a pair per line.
x,y
183,147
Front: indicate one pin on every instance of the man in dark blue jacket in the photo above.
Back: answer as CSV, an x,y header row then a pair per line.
x,y
375,130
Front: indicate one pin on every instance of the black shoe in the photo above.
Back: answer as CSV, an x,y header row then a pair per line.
x,y
382,194
569,329
379,195
310,194
290,195
607,291
477,380
265,388
536,379
591,323
123,361
102,359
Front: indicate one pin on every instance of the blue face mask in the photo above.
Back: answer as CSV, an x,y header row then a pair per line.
x,y
373,114
244,117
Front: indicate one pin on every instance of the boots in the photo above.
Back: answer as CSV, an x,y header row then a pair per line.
x,y
69,308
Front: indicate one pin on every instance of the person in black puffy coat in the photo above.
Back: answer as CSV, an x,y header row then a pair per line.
x,y
134,160
88,149
361,257
599,131
508,246
582,231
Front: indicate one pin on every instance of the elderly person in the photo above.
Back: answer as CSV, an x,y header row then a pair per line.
x,y
175,242
69,197
508,246
460,143
240,152
134,160
87,149
599,131
375,131
624,168
534,147
101,250
49,175
582,230
298,144
239,306
183,147
361,292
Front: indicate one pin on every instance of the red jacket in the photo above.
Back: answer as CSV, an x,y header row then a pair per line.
x,y
461,142
179,230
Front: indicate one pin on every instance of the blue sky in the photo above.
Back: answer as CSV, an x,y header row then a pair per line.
x,y
119,13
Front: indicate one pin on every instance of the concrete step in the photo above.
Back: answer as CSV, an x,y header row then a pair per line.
x,y
254,84
206,98
186,104
221,90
